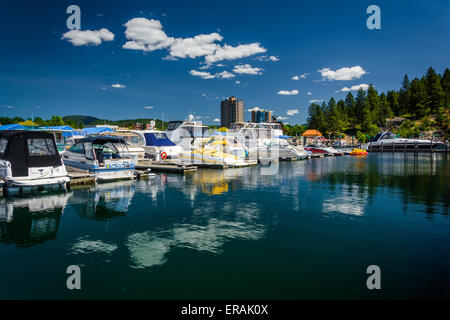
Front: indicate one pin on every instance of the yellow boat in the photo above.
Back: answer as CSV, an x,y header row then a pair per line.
x,y
358,152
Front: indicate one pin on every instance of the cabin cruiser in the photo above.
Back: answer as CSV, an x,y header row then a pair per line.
x,y
302,153
29,161
134,143
186,133
158,146
319,147
389,141
104,156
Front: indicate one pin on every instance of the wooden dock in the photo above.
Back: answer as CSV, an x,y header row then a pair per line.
x,y
289,159
317,155
79,179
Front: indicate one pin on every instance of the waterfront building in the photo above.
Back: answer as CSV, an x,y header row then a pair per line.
x,y
261,115
231,111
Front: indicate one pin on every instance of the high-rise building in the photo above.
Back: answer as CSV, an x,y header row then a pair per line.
x,y
231,111
261,115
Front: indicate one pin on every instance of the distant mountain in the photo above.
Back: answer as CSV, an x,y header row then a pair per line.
x,y
85,120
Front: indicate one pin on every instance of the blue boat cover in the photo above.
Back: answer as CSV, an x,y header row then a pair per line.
x,y
157,139
12,127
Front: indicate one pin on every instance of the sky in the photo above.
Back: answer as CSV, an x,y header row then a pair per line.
x,y
168,59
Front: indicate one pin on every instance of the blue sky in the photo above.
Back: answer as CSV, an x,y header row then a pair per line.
x,y
165,70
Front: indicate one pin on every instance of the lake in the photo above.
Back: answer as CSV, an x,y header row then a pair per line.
x,y
308,232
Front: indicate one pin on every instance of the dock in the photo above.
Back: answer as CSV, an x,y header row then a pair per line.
x,y
79,179
2,183
168,167
317,155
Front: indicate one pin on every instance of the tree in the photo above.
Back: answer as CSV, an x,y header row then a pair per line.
x,y
435,95
335,124
350,106
418,98
316,117
360,107
384,110
445,84
343,113
404,96
393,100
373,104
55,121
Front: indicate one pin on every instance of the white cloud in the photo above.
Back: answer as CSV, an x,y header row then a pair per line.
x,y
281,118
351,73
86,37
216,120
267,58
224,75
145,35
118,86
315,100
309,93
247,69
291,112
148,35
295,78
253,109
237,82
228,52
208,75
273,58
10,107
287,93
148,107
356,87
303,76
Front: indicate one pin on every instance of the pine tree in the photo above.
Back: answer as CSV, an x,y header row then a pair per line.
x,y
373,103
435,94
334,119
418,98
342,108
316,118
385,110
360,105
393,99
350,106
404,95
445,84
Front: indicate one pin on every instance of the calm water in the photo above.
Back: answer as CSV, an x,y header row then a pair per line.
x,y
308,232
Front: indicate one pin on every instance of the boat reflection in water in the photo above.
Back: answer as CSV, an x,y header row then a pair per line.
x,y
29,221
105,200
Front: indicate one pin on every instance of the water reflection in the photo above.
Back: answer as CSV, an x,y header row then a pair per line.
x,y
29,221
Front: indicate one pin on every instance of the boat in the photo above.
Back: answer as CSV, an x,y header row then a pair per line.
x,y
134,142
103,156
318,147
302,152
186,133
29,161
358,152
387,141
218,150
158,146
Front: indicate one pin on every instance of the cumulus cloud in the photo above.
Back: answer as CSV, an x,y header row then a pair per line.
x,y
87,37
148,35
281,118
208,75
302,76
287,93
356,87
315,100
292,112
295,78
247,69
148,107
118,86
351,73
216,120
237,82
267,58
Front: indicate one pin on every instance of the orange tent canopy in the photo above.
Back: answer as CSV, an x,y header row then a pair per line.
x,y
311,133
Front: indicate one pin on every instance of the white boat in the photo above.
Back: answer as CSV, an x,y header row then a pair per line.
x,y
186,133
389,141
134,142
103,156
29,161
158,146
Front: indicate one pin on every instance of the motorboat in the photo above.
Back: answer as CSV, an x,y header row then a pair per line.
x,y
29,161
388,141
134,141
103,156
157,145
318,146
218,150
186,133
302,152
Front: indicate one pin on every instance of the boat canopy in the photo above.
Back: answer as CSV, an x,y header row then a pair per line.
x,y
157,139
12,127
27,149
97,139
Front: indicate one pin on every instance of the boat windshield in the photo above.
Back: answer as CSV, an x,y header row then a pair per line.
x,y
376,138
41,147
173,125
3,143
